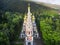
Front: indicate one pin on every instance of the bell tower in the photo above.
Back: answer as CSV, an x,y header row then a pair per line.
x,y
29,28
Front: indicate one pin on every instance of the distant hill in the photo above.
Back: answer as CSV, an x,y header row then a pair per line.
x,y
49,5
55,6
21,6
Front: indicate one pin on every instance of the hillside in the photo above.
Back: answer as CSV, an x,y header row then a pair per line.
x,y
19,6
49,5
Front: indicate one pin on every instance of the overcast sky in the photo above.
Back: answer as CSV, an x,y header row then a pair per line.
x,y
48,1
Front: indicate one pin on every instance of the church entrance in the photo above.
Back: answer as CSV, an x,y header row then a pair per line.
x,y
29,43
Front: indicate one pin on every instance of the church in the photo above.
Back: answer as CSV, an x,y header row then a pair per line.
x,y
29,29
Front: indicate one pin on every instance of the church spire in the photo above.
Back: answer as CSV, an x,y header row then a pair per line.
x,y
29,8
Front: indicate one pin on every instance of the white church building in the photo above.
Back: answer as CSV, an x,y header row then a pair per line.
x,y
29,29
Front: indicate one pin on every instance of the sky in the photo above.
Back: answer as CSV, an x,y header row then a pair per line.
x,y
48,1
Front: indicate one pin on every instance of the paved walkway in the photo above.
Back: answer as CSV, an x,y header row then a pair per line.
x,y
38,42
